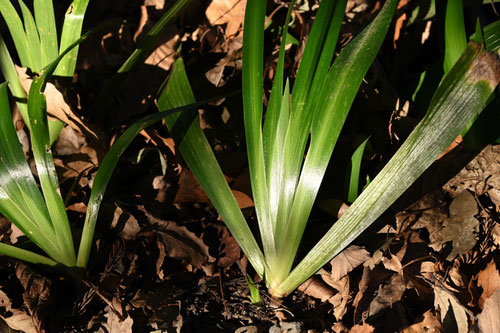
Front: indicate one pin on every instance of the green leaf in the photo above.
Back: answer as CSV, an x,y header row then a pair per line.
x,y
356,159
252,74
491,36
20,199
30,28
71,31
40,141
454,33
16,29
461,95
195,149
337,94
17,253
105,172
46,24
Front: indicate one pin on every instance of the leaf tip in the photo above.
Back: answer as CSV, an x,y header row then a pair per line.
x,y
486,68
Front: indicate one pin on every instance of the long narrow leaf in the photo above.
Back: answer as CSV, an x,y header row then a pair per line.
x,y
46,24
20,198
16,29
252,76
194,147
340,88
17,253
105,172
356,159
454,33
71,31
33,39
461,95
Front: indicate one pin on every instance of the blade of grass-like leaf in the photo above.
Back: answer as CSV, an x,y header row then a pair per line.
x,y
275,160
337,95
270,137
299,126
20,198
10,74
32,36
9,71
104,174
356,159
40,141
461,95
17,253
491,35
16,29
454,33
148,43
43,157
252,77
46,24
72,28
196,151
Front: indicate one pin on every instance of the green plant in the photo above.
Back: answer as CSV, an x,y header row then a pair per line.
x,y
37,44
284,185
42,215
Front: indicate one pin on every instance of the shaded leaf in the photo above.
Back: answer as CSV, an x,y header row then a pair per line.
x,y
347,260
489,320
15,318
231,12
461,227
426,323
489,280
452,313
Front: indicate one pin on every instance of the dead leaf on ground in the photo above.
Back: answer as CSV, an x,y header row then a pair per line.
x,y
229,250
489,280
426,323
347,260
57,106
476,174
489,320
231,12
180,243
115,324
364,328
461,227
388,294
316,288
452,313
37,295
15,318
164,55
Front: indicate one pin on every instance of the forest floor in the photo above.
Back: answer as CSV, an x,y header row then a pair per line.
x,y
164,261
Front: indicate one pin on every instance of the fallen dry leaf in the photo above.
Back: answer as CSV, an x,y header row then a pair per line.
x,y
15,318
229,250
36,296
57,106
115,324
317,289
231,12
347,260
164,55
426,323
489,319
388,294
461,227
452,313
364,328
489,280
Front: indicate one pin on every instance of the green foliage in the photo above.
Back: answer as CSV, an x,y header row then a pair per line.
x,y
284,185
